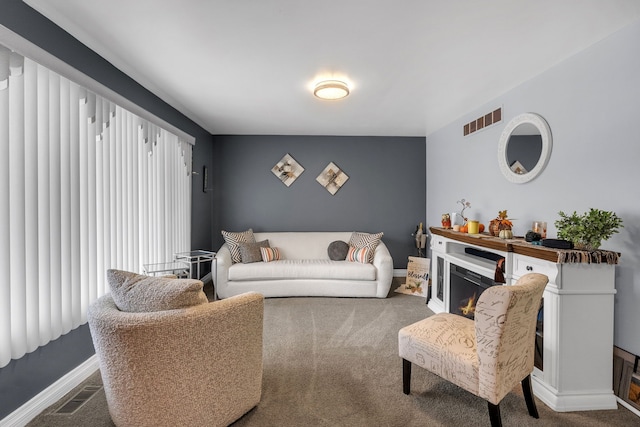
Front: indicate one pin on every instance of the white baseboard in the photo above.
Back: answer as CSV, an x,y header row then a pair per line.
x,y
47,397
400,273
628,406
585,400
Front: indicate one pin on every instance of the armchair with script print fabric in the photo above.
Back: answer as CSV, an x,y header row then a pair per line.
x,y
487,356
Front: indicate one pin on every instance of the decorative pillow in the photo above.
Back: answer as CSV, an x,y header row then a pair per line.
x,y
366,240
270,254
233,240
250,252
338,250
136,293
358,254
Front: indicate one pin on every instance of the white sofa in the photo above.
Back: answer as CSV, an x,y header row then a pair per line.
x,y
305,269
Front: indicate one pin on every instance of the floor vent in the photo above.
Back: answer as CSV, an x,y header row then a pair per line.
x,y
76,402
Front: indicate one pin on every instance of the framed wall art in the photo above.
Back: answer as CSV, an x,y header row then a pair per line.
x,y
332,178
626,379
287,170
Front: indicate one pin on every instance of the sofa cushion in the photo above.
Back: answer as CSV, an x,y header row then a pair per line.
x,y
358,254
302,269
337,250
233,240
366,240
133,292
270,254
250,252
303,245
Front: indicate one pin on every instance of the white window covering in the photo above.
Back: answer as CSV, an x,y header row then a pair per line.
x,y
85,185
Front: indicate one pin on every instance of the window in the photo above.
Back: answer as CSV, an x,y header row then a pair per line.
x,y
85,185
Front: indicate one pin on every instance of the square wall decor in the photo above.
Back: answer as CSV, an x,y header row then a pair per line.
x,y
287,170
332,178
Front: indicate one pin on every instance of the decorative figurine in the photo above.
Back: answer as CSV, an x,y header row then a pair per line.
x,y
446,220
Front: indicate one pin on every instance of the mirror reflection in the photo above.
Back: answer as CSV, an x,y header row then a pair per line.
x,y
524,147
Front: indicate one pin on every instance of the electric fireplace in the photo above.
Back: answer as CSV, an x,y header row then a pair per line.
x,y
466,287
577,318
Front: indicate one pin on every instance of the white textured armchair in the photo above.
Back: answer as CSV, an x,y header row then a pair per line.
x,y
196,366
487,357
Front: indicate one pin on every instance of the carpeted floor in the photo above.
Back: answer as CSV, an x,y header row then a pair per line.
x,y
334,362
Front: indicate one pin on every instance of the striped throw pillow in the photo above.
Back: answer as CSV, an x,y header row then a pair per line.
x,y
366,240
358,255
270,254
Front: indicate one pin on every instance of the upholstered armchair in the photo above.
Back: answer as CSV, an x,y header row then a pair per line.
x,y
168,357
487,356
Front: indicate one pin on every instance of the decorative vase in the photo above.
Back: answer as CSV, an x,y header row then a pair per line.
x,y
456,218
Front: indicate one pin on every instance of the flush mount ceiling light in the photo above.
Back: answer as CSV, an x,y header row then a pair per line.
x,y
331,89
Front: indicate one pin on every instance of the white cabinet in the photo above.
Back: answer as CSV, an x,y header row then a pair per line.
x,y
578,315
526,264
439,268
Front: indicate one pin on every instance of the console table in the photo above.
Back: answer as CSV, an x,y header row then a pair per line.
x,y
578,310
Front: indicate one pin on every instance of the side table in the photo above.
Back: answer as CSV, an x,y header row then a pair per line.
x,y
180,269
196,257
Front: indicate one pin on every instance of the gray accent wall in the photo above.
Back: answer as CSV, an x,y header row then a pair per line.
x,y
385,191
592,104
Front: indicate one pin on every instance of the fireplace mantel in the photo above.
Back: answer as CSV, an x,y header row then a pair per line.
x,y
520,246
578,310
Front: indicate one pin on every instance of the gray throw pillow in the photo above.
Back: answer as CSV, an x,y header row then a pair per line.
x,y
250,252
338,250
137,293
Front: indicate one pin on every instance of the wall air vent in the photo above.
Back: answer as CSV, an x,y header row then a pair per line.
x,y
482,122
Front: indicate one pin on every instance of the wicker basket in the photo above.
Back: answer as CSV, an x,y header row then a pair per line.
x,y
495,225
494,229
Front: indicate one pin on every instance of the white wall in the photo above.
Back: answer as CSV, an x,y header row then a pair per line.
x,y
592,104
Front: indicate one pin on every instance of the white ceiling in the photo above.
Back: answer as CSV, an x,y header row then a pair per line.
x,y
248,66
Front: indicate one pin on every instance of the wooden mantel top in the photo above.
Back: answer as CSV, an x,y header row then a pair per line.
x,y
519,246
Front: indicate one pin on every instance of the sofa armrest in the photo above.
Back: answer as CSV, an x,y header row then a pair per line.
x,y
223,263
383,262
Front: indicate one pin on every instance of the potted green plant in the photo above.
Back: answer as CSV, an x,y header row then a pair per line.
x,y
587,231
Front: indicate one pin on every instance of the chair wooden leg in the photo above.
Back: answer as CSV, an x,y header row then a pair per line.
x,y
527,390
406,376
494,415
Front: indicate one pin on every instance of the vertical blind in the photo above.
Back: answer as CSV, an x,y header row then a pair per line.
x,y
85,186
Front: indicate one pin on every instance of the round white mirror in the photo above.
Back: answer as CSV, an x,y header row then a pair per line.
x,y
524,147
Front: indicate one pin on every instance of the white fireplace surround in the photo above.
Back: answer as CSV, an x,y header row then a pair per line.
x,y
578,316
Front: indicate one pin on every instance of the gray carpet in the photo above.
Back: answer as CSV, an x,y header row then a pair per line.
x,y
334,362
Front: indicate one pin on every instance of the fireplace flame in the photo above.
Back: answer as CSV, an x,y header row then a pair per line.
x,y
470,308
